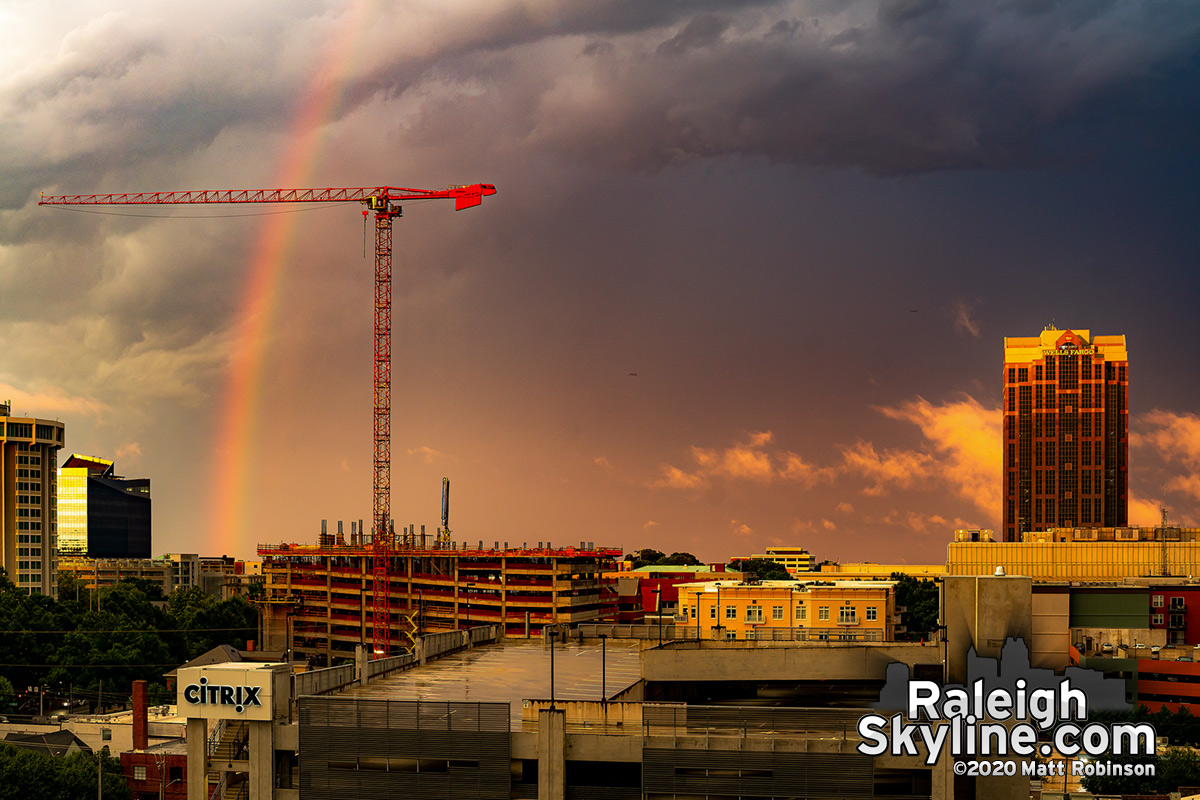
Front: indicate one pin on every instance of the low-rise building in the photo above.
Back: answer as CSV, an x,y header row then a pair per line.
x,y
168,572
1083,554
793,559
816,610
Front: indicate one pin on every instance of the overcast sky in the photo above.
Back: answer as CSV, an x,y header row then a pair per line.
x,y
745,280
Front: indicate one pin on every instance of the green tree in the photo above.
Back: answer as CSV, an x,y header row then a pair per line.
x,y
31,775
648,557
116,634
761,568
1173,767
920,599
208,623
8,695
680,560
77,776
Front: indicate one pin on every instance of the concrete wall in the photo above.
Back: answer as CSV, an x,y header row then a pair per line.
x,y
589,712
1051,629
981,612
781,661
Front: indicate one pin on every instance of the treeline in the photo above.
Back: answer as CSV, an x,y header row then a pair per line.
x,y
117,634
1176,766
30,775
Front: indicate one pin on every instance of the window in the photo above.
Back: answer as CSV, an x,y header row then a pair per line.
x,y
712,612
847,615
139,773
801,613
1156,601
730,612
1157,619
776,612
872,614
754,614
1177,602
823,613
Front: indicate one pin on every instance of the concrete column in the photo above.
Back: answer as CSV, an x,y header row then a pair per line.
x,y
360,665
419,650
197,756
552,754
942,780
262,760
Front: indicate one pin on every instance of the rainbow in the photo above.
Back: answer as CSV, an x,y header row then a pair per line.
x,y
241,400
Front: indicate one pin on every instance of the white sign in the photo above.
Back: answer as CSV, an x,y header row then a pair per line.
x,y
232,691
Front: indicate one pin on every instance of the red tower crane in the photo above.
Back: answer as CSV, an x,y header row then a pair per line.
x,y
383,201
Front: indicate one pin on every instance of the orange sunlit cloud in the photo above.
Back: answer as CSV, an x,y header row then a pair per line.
x,y
901,468
427,454
1176,439
1144,512
965,436
745,461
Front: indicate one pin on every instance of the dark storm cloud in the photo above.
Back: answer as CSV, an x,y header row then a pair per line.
x,y
916,86
889,87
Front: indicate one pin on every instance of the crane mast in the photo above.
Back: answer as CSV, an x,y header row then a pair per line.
x,y
384,202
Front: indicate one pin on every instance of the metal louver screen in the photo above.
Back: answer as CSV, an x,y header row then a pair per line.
x,y
815,776
365,749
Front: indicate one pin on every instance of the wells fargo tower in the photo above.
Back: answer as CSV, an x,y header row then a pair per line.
x,y
1066,426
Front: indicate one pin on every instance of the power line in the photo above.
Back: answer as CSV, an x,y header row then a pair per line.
x,y
136,630
92,666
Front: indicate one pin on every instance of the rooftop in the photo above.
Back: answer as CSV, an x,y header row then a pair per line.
x,y
513,671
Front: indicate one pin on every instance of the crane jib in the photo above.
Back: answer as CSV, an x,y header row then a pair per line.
x,y
464,196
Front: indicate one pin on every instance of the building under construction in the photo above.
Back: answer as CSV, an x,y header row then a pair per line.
x,y
320,598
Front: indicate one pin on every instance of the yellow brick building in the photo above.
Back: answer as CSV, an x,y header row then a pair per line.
x,y
807,610
793,559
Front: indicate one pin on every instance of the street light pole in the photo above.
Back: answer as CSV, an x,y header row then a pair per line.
x,y
658,610
552,634
603,673
469,587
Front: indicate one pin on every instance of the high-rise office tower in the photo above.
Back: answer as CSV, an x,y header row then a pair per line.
x,y
28,483
1066,432
101,515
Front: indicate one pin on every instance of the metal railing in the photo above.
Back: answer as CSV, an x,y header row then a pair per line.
x,y
214,738
730,722
322,681
751,721
382,666
681,632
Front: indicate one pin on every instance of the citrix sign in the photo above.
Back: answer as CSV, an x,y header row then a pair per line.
x,y
240,697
